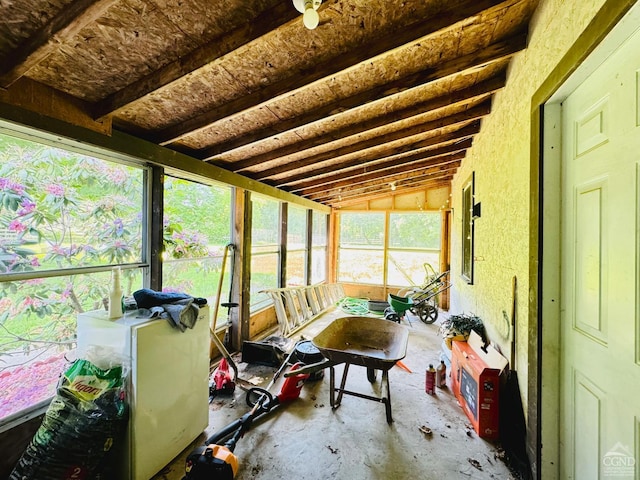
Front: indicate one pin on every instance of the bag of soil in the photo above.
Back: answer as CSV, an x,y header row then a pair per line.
x,y
82,428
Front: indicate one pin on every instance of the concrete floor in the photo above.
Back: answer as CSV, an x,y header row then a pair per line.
x,y
307,439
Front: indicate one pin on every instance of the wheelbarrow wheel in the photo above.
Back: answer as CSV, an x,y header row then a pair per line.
x,y
427,313
371,375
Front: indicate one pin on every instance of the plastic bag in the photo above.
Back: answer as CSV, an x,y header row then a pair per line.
x,y
82,429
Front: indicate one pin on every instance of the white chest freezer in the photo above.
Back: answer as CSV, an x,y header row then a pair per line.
x,y
168,383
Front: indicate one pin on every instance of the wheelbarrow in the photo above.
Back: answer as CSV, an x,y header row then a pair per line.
x,y
370,342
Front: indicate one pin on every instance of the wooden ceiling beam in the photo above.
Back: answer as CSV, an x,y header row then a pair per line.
x,y
383,188
398,178
450,166
59,30
301,179
495,52
379,93
376,196
271,19
298,79
466,116
428,158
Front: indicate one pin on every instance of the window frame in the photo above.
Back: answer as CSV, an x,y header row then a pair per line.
x,y
264,301
289,250
381,247
222,318
103,269
468,230
385,247
319,246
427,251
151,219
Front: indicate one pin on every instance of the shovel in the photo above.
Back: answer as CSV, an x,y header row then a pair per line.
x,y
513,430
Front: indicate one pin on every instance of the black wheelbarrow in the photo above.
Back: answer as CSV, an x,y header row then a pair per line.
x,y
373,343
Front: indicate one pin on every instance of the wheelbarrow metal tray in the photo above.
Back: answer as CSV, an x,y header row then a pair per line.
x,y
366,341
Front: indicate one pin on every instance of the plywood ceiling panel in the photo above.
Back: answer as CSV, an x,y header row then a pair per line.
x,y
395,88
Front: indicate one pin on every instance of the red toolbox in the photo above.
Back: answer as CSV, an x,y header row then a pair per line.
x,y
475,378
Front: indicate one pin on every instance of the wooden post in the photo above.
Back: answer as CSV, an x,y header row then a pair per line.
x,y
242,264
445,254
282,241
332,247
308,248
156,245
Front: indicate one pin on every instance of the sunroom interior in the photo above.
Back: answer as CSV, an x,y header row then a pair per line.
x,y
74,212
229,149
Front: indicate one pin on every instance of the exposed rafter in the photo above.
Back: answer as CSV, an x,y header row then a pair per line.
x,y
370,171
309,177
408,33
461,118
223,44
379,93
46,40
384,184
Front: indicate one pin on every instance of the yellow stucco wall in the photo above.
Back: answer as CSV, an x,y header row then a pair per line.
x,y
500,158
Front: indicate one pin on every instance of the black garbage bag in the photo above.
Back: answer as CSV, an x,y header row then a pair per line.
x,y
82,428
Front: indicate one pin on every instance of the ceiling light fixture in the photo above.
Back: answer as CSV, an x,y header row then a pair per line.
x,y
308,8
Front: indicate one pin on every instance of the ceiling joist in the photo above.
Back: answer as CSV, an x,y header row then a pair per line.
x,y
461,118
310,177
342,105
409,33
390,167
374,187
46,40
379,94
223,44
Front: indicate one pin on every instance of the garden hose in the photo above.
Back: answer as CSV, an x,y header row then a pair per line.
x,y
354,306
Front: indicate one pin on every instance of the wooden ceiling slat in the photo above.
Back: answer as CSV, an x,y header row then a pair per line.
x,y
340,106
409,33
62,27
383,187
368,172
493,53
469,115
450,165
308,177
268,20
431,185
379,93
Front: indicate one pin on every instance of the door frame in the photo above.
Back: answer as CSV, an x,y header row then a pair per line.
x,y
613,23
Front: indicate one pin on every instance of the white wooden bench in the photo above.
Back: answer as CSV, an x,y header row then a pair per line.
x,y
297,306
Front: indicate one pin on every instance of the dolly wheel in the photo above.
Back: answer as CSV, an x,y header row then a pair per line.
x,y
371,374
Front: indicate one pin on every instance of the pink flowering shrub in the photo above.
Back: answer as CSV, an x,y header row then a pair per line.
x,y
61,210
25,386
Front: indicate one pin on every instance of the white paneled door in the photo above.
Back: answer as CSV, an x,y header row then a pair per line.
x,y
600,344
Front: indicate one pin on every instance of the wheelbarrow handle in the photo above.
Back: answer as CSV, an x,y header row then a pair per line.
x,y
312,368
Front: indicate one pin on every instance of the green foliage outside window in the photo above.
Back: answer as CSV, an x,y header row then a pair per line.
x,y
412,239
60,210
197,226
